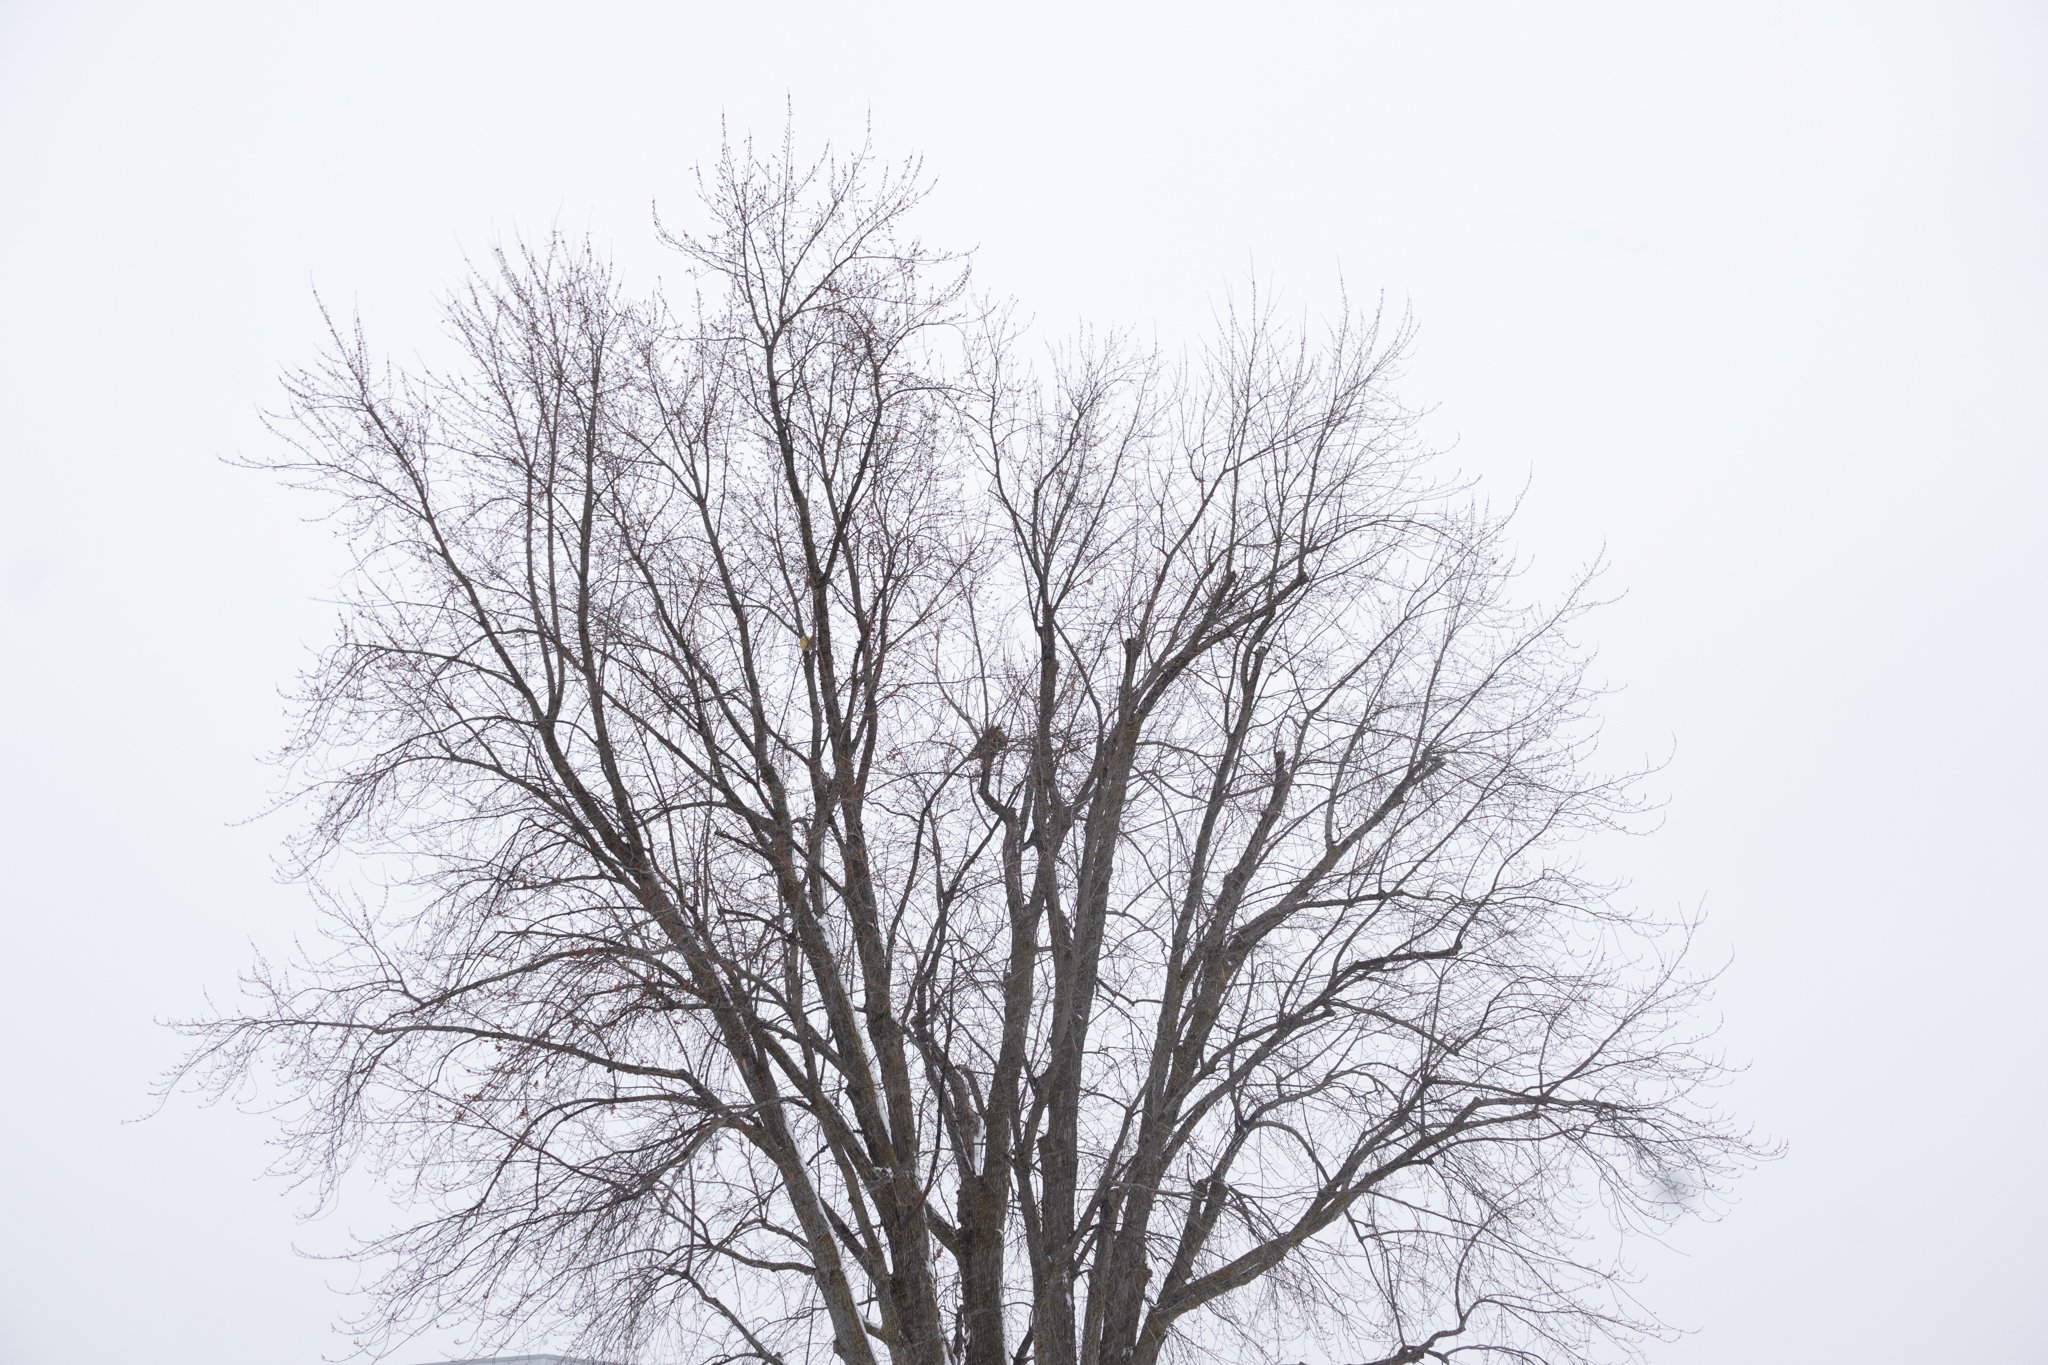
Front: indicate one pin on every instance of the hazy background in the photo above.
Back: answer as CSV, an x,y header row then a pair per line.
x,y
1752,295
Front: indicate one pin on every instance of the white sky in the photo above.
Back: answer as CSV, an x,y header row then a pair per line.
x,y
1753,295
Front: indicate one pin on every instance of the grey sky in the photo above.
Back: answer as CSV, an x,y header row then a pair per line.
x,y
1754,295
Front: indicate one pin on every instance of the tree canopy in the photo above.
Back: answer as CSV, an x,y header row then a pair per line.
x,y
849,832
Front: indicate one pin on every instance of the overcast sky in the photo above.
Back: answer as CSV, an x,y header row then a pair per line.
x,y
1753,297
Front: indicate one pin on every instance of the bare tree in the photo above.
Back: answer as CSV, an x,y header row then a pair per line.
x,y
889,848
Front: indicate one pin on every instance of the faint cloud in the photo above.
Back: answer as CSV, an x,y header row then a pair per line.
x,y
1577,236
